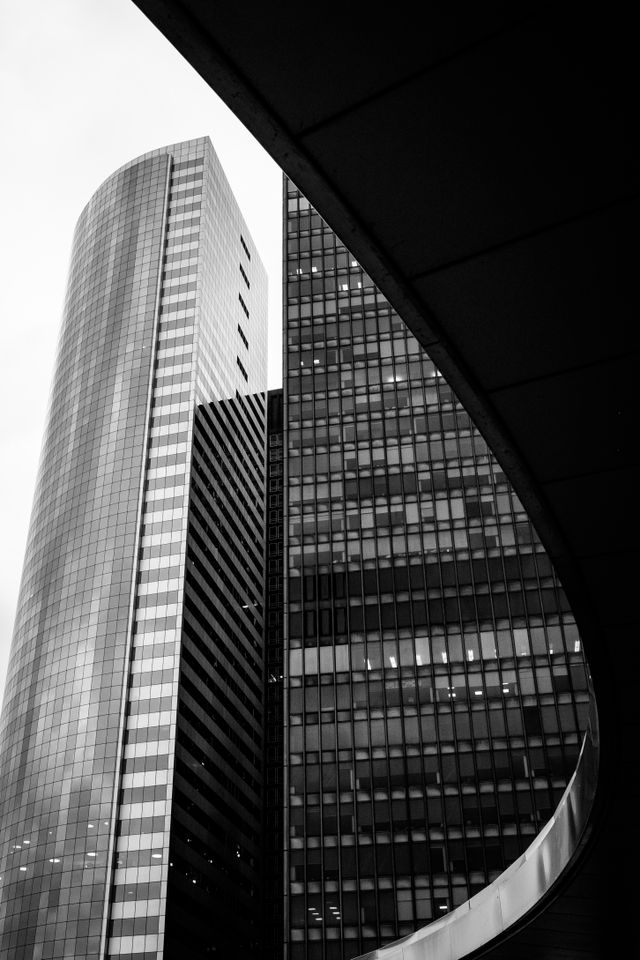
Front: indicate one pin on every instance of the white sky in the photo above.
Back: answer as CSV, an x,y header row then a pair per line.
x,y
85,86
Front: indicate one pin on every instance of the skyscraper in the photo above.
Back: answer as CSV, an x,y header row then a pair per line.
x,y
364,588
434,684
131,743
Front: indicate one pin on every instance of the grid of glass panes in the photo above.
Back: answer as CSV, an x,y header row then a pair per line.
x,y
89,783
160,848
137,913
436,686
214,856
273,835
62,711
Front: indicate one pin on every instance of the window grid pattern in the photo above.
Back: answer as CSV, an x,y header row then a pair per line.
x,y
216,815
58,741
273,795
179,829
141,858
215,855
435,681
111,719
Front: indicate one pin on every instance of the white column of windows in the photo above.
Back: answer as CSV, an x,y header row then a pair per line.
x,y
142,857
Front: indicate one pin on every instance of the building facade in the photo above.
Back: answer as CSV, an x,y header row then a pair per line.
x,y
434,684
131,740
350,620
274,899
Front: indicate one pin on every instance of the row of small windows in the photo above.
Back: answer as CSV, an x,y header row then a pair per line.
x,y
420,651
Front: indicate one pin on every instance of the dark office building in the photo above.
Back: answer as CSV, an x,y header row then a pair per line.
x,y
435,688
131,740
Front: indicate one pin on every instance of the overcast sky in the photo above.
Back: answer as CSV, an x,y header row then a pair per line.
x,y
85,86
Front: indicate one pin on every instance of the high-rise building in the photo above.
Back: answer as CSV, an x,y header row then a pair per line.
x,y
131,740
327,602
434,684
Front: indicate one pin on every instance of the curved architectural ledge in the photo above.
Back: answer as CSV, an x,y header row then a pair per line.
x,y
526,885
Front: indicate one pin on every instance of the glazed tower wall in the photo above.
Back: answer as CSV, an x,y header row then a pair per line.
x,y
148,517
435,689
63,700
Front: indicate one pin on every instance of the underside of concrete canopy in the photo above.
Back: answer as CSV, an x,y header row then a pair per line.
x,y
477,160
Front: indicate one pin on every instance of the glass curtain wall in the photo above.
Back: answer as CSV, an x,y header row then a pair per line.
x,y
61,721
435,686
274,798
131,740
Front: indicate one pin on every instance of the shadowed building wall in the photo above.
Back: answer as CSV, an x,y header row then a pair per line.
x,y
274,793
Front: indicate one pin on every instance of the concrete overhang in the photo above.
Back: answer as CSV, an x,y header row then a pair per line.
x,y
477,159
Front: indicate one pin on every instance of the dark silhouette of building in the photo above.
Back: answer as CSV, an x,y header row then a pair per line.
x,y
274,882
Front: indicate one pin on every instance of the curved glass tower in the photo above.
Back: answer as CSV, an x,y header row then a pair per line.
x,y
131,732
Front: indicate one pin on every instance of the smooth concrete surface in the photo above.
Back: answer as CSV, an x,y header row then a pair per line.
x,y
479,160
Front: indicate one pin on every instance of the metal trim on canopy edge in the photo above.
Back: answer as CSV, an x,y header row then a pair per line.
x,y
497,910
